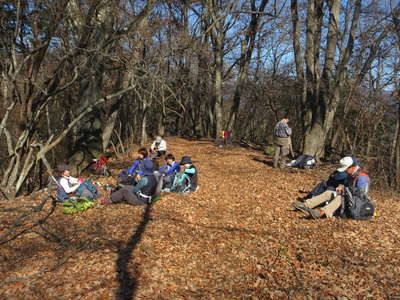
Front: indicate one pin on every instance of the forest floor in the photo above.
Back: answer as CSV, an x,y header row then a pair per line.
x,y
237,237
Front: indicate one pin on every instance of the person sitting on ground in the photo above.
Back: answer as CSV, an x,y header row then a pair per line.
x,y
282,142
170,169
141,193
358,178
159,147
334,180
133,173
186,181
69,186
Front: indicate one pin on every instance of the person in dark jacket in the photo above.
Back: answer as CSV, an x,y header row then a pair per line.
x,y
141,193
358,178
334,180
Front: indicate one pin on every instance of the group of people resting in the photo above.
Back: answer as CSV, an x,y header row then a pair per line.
x,y
326,198
138,183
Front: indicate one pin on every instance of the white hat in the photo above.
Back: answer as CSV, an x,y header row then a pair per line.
x,y
158,139
345,163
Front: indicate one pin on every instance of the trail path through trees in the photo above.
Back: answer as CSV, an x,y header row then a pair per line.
x,y
237,237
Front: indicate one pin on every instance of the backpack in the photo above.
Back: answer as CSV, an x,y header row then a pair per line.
x,y
99,166
356,205
182,184
304,161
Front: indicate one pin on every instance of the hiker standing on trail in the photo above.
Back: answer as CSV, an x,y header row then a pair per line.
x,y
358,178
141,193
79,186
159,146
282,142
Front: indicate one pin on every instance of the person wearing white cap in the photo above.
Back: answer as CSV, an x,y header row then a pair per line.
x,y
359,178
159,146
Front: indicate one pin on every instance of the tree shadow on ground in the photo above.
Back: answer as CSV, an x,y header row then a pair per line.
x,y
128,280
264,161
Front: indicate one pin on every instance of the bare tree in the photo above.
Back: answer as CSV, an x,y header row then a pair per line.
x,y
324,69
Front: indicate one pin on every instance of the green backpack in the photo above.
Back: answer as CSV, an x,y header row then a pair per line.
x,y
75,205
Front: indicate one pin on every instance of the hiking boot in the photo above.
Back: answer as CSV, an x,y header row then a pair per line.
x,y
314,213
301,207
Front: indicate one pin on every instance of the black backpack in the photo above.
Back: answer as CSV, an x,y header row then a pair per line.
x,y
356,205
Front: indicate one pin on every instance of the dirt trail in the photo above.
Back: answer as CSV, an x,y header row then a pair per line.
x,y
236,237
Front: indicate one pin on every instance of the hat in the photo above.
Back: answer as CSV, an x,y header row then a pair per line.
x,y
345,163
186,160
158,139
148,167
63,167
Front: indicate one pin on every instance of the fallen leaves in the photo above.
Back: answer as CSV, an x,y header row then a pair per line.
x,y
236,237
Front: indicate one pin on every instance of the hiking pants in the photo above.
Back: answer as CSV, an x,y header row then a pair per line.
x,y
281,152
168,180
330,208
126,195
87,190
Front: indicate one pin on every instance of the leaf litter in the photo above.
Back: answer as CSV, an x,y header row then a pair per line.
x,y
237,237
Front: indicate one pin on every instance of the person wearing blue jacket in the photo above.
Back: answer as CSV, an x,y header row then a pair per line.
x,y
171,167
142,192
169,170
135,171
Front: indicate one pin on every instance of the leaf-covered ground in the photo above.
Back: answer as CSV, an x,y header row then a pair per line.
x,y
237,237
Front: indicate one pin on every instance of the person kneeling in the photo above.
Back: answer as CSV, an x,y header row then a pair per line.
x,y
141,193
359,179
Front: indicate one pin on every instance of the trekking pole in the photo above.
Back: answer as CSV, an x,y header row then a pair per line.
x,y
291,147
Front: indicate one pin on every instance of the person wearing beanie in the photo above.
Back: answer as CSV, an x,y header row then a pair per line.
x,y
141,193
358,178
159,146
